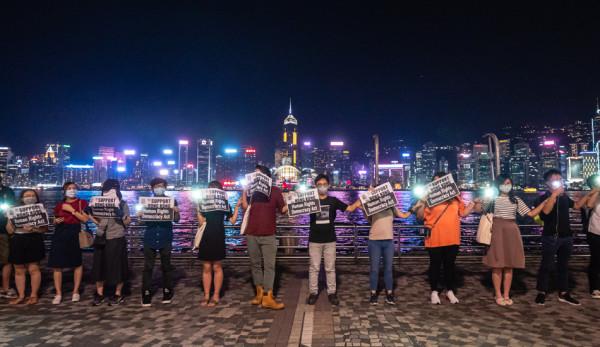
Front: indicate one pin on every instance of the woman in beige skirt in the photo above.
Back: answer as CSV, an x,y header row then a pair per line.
x,y
506,249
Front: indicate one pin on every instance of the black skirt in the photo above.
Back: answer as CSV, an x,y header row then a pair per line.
x,y
26,248
65,251
212,245
110,262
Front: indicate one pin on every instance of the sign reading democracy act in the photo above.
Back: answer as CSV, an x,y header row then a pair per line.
x,y
34,215
379,199
259,182
441,190
104,206
306,202
157,209
212,199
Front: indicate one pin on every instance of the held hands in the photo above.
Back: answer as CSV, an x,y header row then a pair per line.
x,y
28,228
59,220
175,209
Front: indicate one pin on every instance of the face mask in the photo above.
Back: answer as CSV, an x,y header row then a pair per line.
x,y
159,191
111,193
29,200
505,188
71,193
322,189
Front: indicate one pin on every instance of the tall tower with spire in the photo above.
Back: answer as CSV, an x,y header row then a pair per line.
x,y
289,148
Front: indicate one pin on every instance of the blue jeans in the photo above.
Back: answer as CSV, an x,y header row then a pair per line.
x,y
378,249
555,251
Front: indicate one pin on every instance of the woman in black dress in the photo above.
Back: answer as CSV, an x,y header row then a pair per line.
x,y
212,247
65,252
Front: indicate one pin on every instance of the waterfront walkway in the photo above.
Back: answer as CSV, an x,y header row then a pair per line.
x,y
476,321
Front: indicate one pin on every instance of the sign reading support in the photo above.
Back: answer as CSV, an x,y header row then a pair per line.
x,y
104,207
259,182
157,209
441,190
34,215
212,199
379,199
306,202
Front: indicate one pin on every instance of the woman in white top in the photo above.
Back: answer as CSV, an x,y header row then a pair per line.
x,y
592,203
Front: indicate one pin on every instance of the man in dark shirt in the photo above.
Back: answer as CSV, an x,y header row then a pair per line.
x,y
322,240
158,238
557,238
262,244
7,200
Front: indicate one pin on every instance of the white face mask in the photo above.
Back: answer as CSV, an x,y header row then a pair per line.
x,y
111,193
71,193
505,188
160,191
29,200
322,189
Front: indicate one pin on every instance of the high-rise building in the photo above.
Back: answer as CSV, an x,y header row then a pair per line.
x,y
589,164
287,153
83,175
5,157
549,157
483,164
504,156
574,171
249,159
230,165
426,164
205,161
306,155
519,165
465,169
182,160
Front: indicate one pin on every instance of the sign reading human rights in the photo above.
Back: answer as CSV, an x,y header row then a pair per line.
x,y
441,190
305,202
33,215
212,199
157,208
104,206
259,182
379,199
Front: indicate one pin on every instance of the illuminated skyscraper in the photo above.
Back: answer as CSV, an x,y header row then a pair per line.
x,y
182,159
205,161
5,156
287,153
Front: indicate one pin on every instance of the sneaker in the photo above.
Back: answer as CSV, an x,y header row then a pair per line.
x,y
596,294
333,299
453,299
146,299
98,299
116,300
435,298
389,299
167,296
57,300
312,299
540,299
373,299
76,297
567,298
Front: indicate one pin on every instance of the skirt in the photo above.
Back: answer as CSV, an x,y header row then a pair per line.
x,y
65,251
110,262
506,248
26,248
212,245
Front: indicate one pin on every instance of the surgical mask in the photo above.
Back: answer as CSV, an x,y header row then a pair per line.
x,y
29,200
111,193
159,191
322,189
505,188
71,193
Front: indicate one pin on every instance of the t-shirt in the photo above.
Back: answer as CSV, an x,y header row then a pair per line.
x,y
557,221
7,196
382,225
77,204
322,227
593,220
446,232
263,213
506,209
114,228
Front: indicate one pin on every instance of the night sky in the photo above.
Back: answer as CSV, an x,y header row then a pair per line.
x,y
144,75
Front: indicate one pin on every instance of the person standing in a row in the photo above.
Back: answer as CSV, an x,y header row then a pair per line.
x,y
7,200
591,224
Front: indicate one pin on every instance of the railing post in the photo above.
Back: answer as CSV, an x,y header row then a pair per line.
x,y
355,242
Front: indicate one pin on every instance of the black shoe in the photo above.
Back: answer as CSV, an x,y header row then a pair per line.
x,y
333,299
167,296
312,299
567,298
373,299
98,299
116,300
389,299
540,299
146,299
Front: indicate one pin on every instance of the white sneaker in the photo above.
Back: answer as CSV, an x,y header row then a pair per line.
x,y
57,300
453,299
435,298
76,297
596,294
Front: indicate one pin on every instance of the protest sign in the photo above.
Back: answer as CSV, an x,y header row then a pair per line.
x,y
259,182
156,208
104,206
441,190
34,215
379,199
306,202
212,199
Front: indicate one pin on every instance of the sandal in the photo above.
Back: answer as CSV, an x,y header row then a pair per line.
x,y
32,300
213,303
508,301
205,302
500,302
16,301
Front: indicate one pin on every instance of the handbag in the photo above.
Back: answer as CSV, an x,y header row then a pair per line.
x,y
428,229
85,238
484,230
198,236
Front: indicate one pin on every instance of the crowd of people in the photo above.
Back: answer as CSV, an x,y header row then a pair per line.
x,y
22,248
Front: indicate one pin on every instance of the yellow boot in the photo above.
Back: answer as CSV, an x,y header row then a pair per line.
x,y
259,296
268,301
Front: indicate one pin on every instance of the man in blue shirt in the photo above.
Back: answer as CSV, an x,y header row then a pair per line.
x,y
158,238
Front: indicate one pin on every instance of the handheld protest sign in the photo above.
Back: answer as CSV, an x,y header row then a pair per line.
x,y
104,206
441,190
157,209
379,199
33,215
306,202
212,199
259,182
